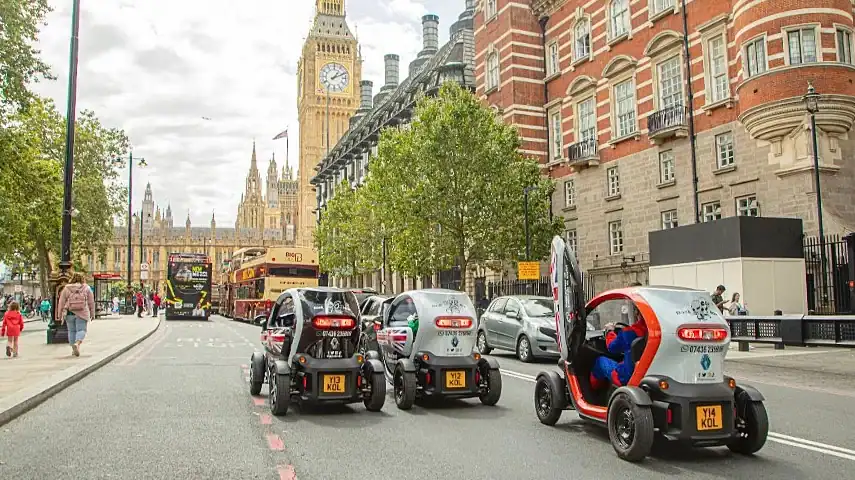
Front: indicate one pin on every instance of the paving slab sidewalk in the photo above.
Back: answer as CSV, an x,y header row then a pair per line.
x,y
42,370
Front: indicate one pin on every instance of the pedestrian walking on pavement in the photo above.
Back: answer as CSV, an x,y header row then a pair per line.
x,y
44,307
77,303
156,301
13,324
140,304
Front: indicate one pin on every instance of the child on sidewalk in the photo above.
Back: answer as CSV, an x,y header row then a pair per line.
x,y
13,323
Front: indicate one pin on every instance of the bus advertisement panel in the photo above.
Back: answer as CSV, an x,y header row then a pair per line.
x,y
188,286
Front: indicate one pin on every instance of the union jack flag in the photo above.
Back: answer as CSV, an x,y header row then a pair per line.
x,y
283,134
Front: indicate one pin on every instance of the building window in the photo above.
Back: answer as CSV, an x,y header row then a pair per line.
x,y
615,238
718,70
670,83
619,15
669,219
583,39
844,46
493,70
613,182
587,120
724,149
569,193
659,6
570,237
754,59
802,46
747,207
491,9
552,64
666,166
555,134
711,211
625,108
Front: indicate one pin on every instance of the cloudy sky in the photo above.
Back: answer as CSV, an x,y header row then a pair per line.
x,y
155,68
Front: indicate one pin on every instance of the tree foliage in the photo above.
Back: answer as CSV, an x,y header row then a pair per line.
x,y
19,61
446,191
32,156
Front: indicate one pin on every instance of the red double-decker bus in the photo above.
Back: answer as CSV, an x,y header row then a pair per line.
x,y
258,275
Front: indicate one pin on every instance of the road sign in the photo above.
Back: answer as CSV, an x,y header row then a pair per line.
x,y
143,267
143,274
19,288
529,271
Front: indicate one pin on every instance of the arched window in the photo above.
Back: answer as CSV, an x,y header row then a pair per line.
x,y
492,70
583,38
619,16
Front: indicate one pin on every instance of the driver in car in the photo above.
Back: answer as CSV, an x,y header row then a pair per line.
x,y
619,342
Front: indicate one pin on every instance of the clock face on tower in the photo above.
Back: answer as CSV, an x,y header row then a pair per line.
x,y
334,77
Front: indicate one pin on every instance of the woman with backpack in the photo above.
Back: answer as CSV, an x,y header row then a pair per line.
x,y
79,302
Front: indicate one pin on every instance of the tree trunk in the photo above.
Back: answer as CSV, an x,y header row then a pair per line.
x,y
463,264
45,267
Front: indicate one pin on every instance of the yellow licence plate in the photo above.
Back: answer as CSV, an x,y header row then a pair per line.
x,y
709,417
333,383
455,379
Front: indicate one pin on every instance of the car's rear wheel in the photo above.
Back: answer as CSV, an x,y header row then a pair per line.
x,y
375,400
549,398
524,350
280,393
256,373
481,343
630,428
405,389
752,426
493,393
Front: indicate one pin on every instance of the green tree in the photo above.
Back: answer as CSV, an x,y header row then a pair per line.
x,y
19,61
450,188
31,184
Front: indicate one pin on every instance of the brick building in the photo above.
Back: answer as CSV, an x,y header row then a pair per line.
x,y
598,91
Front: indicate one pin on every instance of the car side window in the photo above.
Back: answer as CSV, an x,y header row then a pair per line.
x,y
284,313
513,306
366,308
401,310
375,308
498,305
611,311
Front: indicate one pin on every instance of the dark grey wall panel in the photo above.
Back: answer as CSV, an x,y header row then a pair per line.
x,y
731,237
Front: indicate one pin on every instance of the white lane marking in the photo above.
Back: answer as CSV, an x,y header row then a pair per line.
x,y
797,442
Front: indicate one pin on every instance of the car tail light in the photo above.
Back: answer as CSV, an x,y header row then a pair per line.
x,y
702,334
453,322
427,378
333,322
669,416
376,327
276,338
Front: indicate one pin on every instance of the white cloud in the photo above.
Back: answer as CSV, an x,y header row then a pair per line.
x,y
155,68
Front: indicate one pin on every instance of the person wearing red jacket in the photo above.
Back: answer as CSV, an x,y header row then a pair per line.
x,y
13,324
156,301
605,369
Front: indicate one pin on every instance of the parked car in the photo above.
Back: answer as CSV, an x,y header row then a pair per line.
x,y
524,324
362,294
371,310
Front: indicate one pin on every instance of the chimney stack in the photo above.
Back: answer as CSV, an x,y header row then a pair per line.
x,y
366,88
430,33
392,63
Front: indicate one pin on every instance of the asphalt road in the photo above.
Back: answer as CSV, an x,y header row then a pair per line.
x,y
178,406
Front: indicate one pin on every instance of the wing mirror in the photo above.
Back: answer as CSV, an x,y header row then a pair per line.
x,y
259,320
512,314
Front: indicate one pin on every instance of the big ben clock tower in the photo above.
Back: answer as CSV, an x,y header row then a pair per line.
x,y
328,76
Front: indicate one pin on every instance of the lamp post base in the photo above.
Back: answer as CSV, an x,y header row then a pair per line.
x,y
57,332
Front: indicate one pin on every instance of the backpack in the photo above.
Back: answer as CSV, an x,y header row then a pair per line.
x,y
76,300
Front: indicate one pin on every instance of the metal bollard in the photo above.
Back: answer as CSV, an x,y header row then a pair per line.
x,y
779,346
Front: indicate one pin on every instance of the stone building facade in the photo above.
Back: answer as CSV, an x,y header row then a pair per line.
x,y
392,107
269,208
598,92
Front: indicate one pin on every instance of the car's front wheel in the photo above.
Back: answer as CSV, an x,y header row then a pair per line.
x,y
280,393
481,343
549,398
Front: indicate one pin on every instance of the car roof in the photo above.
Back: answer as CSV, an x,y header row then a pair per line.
x,y
526,297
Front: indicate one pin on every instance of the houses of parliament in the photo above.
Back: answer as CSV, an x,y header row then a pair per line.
x,y
266,216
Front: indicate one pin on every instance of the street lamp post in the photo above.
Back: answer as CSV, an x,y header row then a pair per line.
x,y
811,100
130,213
526,191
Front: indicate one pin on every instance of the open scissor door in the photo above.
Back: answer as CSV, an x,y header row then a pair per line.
x,y
568,294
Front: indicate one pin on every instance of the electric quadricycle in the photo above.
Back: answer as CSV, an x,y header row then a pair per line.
x,y
311,353
653,370
427,340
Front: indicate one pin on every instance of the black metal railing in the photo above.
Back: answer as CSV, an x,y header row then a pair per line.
x,y
830,294
673,116
793,330
585,149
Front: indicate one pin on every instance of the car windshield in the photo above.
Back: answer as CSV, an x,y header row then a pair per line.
x,y
321,302
539,307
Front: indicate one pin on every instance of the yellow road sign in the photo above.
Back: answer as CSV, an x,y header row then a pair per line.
x,y
529,271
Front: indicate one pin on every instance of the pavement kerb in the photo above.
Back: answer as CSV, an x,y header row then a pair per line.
x,y
39,394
